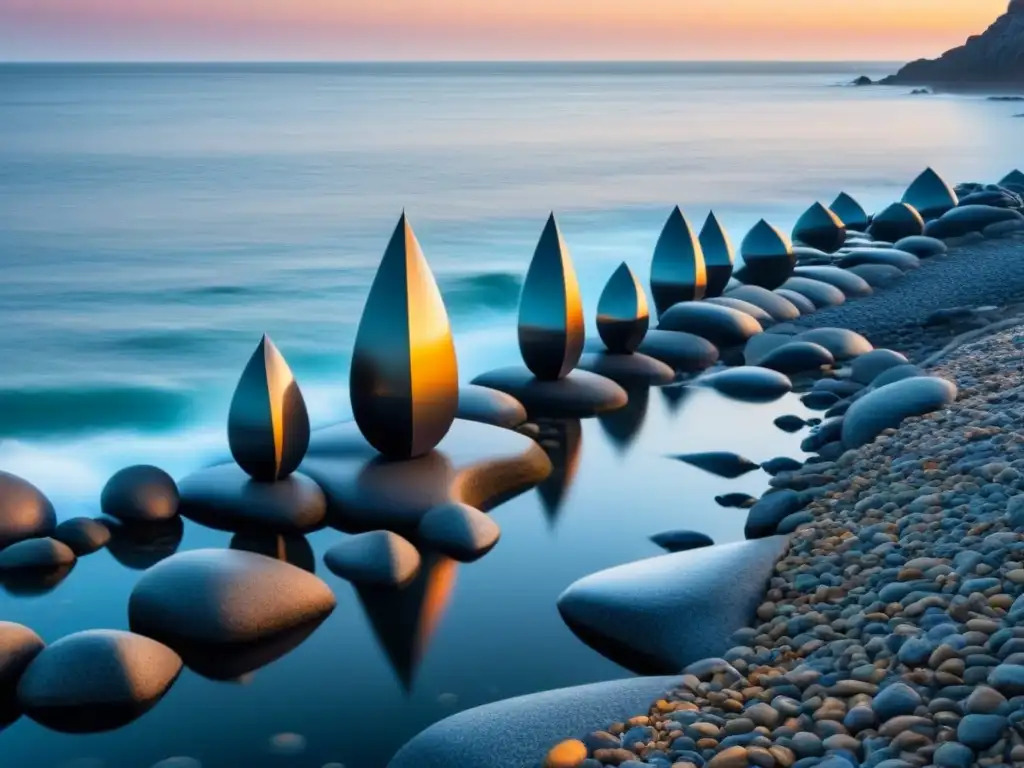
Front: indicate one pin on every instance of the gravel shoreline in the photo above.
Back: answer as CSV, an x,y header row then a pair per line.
x,y
892,632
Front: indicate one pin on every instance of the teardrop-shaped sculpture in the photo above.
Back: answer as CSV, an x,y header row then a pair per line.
x,y
1014,177
551,332
930,195
820,228
677,270
622,315
405,379
897,221
850,212
718,256
268,425
768,259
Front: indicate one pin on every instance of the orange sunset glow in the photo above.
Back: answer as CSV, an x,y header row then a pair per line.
x,y
488,29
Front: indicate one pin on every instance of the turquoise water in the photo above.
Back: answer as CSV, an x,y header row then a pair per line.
x,y
154,221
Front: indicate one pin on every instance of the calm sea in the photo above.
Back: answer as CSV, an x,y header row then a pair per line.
x,y
156,220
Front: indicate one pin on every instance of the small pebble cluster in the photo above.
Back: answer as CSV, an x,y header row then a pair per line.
x,y
892,632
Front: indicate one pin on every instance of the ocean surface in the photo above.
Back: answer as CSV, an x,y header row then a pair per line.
x,y
156,220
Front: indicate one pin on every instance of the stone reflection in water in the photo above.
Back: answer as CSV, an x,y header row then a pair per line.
x,y
141,545
291,548
34,582
562,440
623,426
404,620
675,396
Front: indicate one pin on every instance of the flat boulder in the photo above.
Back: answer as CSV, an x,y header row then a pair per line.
x,y
821,294
225,497
140,494
850,284
222,596
771,302
770,510
643,614
743,306
374,559
894,258
489,406
749,382
460,531
897,373
25,513
578,395
83,535
887,407
762,345
877,275
18,646
632,370
96,680
804,305
842,343
922,247
516,733
720,463
36,554
866,368
684,352
969,218
682,541
798,357
722,326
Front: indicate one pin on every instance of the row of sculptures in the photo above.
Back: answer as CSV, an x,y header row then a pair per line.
x,y
404,383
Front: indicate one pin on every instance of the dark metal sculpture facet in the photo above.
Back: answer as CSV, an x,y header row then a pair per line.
x,y
768,259
930,195
820,228
404,381
551,331
719,256
897,221
677,269
850,212
622,315
268,426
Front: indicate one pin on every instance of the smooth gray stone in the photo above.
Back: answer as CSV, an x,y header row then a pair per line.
x,y
749,382
517,733
798,357
642,615
762,345
375,558
489,406
922,247
781,309
895,700
770,510
791,522
18,646
720,463
822,295
223,596
475,464
842,343
722,326
877,275
684,352
36,554
743,306
781,464
25,513
1002,229
969,218
225,497
140,494
805,255
682,541
850,284
628,370
979,732
83,535
96,680
884,408
897,373
804,305
579,395
894,258
459,531
868,367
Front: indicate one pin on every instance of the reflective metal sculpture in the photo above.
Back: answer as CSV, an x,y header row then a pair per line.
x,y
768,259
404,382
850,212
268,426
930,195
897,221
551,332
622,316
820,228
677,270
718,256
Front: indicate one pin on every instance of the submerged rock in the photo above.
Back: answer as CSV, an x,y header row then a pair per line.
x,y
25,513
790,423
735,500
375,558
720,463
884,408
140,494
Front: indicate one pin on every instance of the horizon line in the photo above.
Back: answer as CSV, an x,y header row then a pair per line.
x,y
451,62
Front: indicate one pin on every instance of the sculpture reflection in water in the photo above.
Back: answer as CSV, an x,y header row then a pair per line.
x,y
291,548
562,440
405,620
142,545
404,381
623,425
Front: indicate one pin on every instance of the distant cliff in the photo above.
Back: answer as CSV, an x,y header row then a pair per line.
x,y
994,58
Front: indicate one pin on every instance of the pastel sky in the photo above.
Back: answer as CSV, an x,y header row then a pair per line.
x,y
487,29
